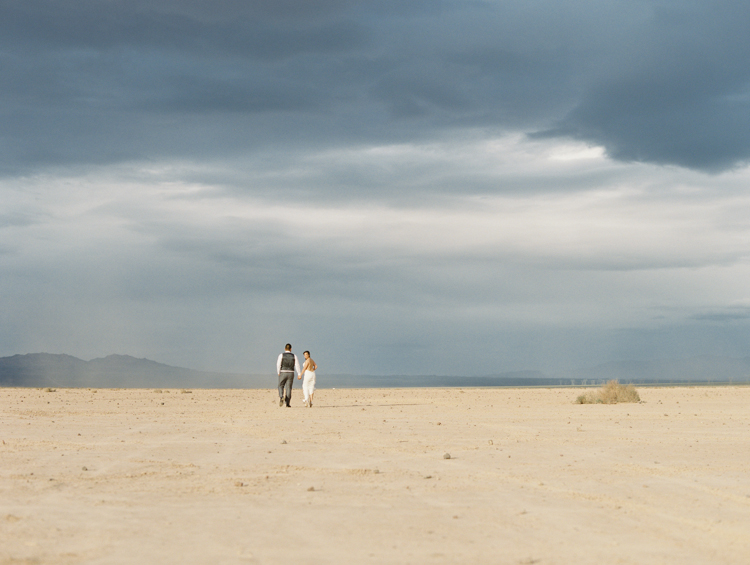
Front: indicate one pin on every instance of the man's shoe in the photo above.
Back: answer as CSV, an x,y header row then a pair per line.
x,y
281,402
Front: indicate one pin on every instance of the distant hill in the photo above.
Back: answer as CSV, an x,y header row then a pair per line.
x,y
116,371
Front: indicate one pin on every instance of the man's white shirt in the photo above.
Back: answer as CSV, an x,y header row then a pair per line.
x,y
297,366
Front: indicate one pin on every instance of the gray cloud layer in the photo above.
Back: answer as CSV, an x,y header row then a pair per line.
x,y
393,185
209,278
98,82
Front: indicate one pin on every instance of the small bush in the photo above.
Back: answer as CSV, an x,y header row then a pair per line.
x,y
611,393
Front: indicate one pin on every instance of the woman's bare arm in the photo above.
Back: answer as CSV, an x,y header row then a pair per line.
x,y
305,367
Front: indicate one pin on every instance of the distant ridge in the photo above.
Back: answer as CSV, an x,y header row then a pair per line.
x,y
117,371
124,371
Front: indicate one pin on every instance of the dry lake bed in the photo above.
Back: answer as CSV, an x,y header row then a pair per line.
x,y
506,476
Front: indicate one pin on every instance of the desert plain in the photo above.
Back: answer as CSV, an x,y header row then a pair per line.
x,y
507,476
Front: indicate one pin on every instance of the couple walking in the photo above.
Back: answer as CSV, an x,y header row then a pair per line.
x,y
286,365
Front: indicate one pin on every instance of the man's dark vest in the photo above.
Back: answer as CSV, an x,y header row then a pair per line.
x,y
287,362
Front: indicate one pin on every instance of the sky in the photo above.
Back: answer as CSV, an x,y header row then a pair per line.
x,y
401,187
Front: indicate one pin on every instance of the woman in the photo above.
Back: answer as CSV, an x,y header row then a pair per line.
x,y
308,385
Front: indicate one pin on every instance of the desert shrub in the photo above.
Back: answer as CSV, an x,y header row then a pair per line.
x,y
611,393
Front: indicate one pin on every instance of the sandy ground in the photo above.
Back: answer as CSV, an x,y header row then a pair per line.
x,y
227,476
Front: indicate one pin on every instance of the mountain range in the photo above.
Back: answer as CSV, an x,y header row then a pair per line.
x,y
118,371
124,371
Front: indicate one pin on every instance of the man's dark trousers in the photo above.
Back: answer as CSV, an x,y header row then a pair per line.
x,y
286,378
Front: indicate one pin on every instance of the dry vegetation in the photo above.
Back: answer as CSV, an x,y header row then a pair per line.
x,y
611,393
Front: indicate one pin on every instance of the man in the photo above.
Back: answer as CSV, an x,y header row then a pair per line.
x,y
286,365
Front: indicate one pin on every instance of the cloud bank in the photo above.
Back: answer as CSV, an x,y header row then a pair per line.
x,y
101,82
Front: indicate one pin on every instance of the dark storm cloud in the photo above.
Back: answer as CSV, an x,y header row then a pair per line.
x,y
683,98
96,82
255,29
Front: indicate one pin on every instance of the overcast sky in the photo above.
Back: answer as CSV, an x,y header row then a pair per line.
x,y
402,187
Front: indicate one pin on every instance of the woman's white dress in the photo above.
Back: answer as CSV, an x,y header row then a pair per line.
x,y
308,384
